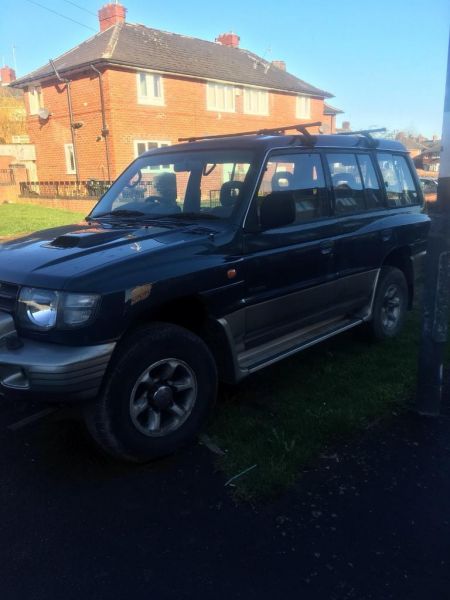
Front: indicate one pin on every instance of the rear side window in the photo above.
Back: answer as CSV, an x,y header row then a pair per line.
x,y
398,181
347,184
301,177
374,194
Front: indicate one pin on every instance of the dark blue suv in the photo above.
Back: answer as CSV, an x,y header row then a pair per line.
x,y
207,261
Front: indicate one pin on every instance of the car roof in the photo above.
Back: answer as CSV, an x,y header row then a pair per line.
x,y
268,142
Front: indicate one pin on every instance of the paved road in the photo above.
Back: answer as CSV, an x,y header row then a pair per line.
x,y
370,521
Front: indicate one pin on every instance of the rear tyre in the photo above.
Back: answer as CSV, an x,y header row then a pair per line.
x,y
158,392
390,304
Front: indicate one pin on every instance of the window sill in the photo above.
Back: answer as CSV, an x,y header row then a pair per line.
x,y
147,102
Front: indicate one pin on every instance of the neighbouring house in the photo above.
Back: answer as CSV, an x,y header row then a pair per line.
x,y
130,88
329,118
429,159
413,144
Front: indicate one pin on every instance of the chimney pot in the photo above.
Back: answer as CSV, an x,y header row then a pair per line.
x,y
280,64
111,14
7,75
229,39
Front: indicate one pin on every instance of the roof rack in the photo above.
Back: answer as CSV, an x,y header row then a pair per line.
x,y
300,127
366,133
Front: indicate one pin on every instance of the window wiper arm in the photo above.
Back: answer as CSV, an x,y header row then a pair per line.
x,y
192,215
120,212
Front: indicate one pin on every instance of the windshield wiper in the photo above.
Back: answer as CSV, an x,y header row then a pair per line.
x,y
120,212
191,215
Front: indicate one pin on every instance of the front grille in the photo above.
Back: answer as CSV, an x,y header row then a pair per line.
x,y
8,296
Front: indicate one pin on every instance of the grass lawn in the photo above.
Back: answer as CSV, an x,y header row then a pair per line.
x,y
16,219
285,416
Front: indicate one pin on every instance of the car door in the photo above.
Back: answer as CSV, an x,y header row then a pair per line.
x,y
359,210
290,269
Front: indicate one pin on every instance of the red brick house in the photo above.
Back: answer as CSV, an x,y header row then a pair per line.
x,y
129,88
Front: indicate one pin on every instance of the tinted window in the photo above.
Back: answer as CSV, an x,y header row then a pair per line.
x,y
398,180
347,184
301,177
374,195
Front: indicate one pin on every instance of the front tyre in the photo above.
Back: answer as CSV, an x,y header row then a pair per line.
x,y
390,304
158,393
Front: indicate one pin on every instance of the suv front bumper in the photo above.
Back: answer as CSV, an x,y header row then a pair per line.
x,y
49,372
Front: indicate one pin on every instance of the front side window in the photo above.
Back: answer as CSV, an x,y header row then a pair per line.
x,y
70,159
347,184
220,97
303,107
199,184
35,99
256,102
150,88
398,181
300,177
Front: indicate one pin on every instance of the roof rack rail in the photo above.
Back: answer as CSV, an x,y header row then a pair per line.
x,y
300,127
366,133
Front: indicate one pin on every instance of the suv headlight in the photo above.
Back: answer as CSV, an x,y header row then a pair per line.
x,y
46,309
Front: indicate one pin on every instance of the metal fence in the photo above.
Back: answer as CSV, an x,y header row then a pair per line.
x,y
92,188
7,177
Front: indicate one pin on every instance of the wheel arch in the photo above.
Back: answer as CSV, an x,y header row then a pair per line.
x,y
191,312
401,258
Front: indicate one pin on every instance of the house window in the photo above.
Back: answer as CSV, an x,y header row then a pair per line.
x,y
220,97
150,88
141,146
303,107
35,99
70,159
256,102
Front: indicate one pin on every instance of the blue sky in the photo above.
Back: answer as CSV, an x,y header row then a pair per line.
x,y
384,61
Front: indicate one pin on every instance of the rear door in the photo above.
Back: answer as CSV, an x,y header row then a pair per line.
x,y
289,269
359,210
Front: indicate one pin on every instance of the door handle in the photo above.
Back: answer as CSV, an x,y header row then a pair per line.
x,y
326,247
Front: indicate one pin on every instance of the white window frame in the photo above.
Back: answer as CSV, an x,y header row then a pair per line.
x,y
70,159
150,99
35,99
159,144
256,101
303,107
212,99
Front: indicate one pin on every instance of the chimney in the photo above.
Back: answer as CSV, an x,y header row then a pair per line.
x,y
229,39
7,75
346,125
111,14
280,64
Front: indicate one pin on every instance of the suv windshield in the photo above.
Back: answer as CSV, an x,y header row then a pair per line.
x,y
195,184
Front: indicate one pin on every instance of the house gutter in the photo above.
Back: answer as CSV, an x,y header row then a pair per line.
x,y
105,130
321,94
72,129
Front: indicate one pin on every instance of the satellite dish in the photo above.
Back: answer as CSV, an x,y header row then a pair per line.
x,y
43,113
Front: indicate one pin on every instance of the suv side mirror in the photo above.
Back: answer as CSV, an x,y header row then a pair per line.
x,y
277,210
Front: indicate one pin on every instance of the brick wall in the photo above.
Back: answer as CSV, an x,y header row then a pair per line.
x,y
50,135
75,205
184,114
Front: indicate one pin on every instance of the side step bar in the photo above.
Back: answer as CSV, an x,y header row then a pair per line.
x,y
257,358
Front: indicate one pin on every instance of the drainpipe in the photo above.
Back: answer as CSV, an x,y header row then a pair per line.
x,y
105,130
72,129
